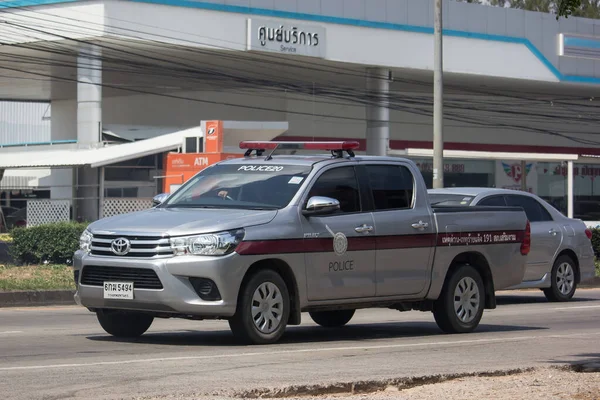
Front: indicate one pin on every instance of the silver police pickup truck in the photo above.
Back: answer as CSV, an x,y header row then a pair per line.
x,y
260,239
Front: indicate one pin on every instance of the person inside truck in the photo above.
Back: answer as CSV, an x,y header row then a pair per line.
x,y
210,186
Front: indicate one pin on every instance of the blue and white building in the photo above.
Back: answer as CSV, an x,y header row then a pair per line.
x,y
518,86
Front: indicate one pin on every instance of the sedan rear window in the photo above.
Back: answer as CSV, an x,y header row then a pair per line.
x,y
439,199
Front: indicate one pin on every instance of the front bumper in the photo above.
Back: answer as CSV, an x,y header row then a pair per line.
x,y
177,295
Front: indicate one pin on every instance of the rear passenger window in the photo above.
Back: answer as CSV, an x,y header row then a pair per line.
x,y
391,185
534,210
340,184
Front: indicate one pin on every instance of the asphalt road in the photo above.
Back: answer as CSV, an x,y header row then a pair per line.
x,y
61,352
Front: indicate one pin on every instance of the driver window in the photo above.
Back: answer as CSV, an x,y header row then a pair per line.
x,y
340,184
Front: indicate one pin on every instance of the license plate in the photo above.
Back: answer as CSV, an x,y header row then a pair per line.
x,y
118,290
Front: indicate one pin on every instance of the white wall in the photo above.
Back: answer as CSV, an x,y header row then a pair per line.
x,y
61,184
367,46
413,127
165,111
63,127
333,120
330,120
52,23
64,120
307,117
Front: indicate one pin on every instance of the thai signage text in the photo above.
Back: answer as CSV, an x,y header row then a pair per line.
x,y
286,38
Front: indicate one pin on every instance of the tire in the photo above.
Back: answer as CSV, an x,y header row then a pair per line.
x,y
467,280
262,286
124,324
564,283
332,319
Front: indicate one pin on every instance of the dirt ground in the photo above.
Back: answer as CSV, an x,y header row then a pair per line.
x,y
542,384
539,384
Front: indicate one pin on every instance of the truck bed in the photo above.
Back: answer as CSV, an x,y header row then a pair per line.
x,y
492,233
455,209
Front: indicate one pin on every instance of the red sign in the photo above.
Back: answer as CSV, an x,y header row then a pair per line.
x,y
213,137
181,167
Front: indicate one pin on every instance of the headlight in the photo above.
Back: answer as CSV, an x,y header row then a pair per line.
x,y
85,241
212,244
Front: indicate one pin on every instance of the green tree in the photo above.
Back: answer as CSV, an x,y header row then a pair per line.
x,y
586,9
567,7
562,8
546,6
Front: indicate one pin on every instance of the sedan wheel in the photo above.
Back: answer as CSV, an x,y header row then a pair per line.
x,y
564,282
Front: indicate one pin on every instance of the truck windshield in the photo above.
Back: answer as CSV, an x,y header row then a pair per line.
x,y
247,186
450,199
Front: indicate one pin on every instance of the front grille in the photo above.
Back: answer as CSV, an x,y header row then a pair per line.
x,y
141,246
142,278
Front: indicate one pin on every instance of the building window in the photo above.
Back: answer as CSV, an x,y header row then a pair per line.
x,y
460,173
121,192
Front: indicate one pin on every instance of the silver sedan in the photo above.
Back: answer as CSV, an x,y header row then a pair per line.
x,y
561,254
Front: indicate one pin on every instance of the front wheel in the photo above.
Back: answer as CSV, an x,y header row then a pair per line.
x,y
263,309
124,324
460,305
563,280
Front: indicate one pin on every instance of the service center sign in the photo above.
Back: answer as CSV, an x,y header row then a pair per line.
x,y
286,38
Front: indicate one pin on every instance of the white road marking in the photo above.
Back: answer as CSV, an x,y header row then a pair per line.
x,y
297,351
575,307
9,332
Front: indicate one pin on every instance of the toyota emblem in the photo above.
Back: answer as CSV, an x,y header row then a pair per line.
x,y
120,246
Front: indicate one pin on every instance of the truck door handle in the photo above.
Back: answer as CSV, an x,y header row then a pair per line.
x,y
420,225
363,228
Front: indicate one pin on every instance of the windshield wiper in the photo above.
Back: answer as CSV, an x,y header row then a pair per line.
x,y
192,206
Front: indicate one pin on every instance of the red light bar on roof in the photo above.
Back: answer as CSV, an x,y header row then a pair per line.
x,y
341,145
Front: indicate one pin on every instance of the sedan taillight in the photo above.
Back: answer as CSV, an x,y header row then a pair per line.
x,y
588,233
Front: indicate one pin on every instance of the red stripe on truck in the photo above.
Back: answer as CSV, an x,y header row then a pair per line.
x,y
325,245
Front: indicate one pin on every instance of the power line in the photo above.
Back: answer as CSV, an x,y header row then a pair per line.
x,y
339,93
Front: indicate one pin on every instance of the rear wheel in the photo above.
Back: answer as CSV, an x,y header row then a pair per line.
x,y
332,319
564,283
124,324
460,305
263,309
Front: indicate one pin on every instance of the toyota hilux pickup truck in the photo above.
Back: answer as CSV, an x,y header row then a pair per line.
x,y
258,240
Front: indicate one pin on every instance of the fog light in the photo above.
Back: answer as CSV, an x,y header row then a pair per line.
x,y
205,288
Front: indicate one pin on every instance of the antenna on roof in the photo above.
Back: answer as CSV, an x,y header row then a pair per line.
x,y
337,148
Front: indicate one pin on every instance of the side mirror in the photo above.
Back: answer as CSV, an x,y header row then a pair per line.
x,y
159,198
318,205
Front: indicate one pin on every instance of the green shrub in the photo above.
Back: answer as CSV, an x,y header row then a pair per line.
x,y
53,243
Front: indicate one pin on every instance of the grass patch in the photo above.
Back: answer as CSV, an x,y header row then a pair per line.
x,y
5,237
36,277
597,268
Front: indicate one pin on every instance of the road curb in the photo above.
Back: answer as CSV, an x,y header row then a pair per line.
x,y
366,386
36,298
592,283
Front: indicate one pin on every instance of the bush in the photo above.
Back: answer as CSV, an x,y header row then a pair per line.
x,y
53,243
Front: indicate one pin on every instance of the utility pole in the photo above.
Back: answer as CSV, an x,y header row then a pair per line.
x,y
438,96
524,176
